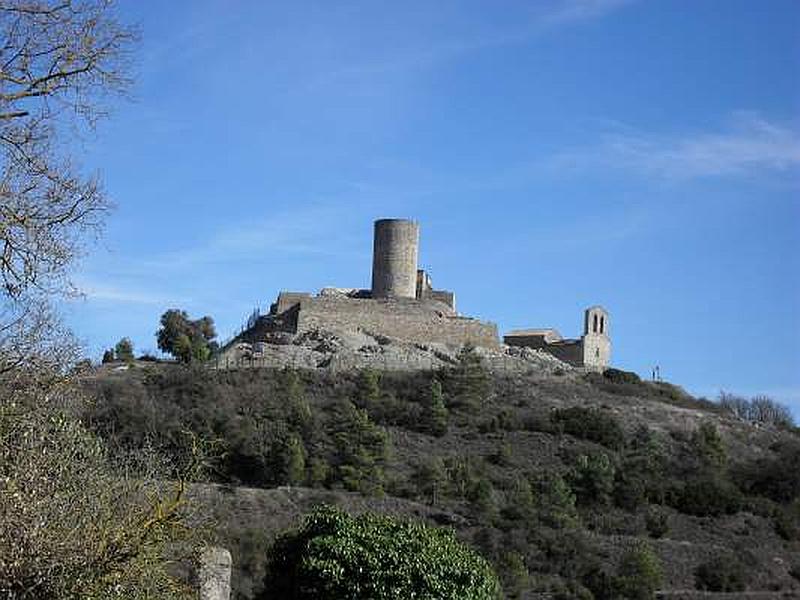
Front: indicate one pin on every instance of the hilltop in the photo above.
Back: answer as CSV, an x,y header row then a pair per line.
x,y
550,472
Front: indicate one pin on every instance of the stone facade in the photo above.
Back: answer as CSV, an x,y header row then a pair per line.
x,y
409,320
402,303
394,259
591,351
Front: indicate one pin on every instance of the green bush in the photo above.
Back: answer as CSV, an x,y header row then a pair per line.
x,y
589,424
720,574
657,522
592,479
619,376
639,574
334,555
707,496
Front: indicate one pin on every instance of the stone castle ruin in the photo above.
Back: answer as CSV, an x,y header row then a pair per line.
x,y
402,305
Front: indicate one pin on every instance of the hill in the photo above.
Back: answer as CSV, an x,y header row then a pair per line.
x,y
553,474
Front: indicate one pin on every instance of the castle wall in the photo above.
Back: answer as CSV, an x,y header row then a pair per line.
x,y
403,319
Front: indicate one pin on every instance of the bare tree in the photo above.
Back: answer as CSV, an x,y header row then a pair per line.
x,y
60,61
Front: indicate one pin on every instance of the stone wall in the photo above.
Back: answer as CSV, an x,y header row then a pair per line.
x,y
570,351
403,319
596,351
394,259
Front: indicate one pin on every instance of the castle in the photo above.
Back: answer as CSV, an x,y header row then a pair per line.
x,y
402,304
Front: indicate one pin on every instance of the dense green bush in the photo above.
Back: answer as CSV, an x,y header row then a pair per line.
x,y
589,424
334,555
656,522
592,479
706,496
639,574
619,376
776,477
721,574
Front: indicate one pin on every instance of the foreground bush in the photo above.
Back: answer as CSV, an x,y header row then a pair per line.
x,y
72,524
334,555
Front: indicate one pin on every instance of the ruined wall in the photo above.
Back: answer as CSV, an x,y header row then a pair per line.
x,y
403,319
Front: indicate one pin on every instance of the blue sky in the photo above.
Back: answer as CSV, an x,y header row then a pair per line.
x,y
643,155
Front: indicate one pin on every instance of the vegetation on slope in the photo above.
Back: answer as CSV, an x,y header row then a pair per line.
x,y
539,473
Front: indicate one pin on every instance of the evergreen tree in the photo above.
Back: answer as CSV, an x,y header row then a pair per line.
x,y
434,411
124,350
368,389
468,381
295,460
362,449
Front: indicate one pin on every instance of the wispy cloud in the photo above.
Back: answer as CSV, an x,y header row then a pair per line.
x,y
579,10
752,144
94,291
545,18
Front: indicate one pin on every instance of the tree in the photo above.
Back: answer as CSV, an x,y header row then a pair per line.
x,y
592,478
184,338
60,62
468,381
124,350
108,356
639,574
361,449
334,555
368,389
434,412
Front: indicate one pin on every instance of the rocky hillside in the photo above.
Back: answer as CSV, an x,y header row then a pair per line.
x,y
553,474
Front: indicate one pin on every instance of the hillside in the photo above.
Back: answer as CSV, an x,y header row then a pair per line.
x,y
552,474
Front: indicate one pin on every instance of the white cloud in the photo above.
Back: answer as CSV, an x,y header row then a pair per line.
x,y
93,291
580,10
543,18
752,144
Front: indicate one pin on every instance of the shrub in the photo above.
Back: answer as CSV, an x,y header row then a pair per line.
x,y
619,376
657,522
592,479
720,574
590,424
73,524
707,496
787,521
709,447
777,478
334,555
554,501
639,574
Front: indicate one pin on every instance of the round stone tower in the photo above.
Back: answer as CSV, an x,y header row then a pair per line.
x,y
394,259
